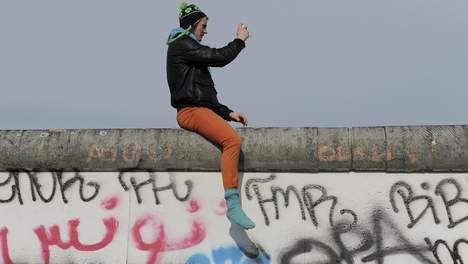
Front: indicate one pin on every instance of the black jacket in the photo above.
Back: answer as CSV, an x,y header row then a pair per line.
x,y
188,75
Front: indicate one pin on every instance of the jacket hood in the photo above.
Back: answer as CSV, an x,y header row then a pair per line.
x,y
179,32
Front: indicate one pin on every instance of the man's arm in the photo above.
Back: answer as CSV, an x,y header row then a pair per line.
x,y
223,111
197,53
212,57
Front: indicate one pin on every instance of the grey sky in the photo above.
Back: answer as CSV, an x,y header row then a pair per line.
x,y
101,64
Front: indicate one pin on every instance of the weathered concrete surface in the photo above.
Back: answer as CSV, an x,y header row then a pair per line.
x,y
391,149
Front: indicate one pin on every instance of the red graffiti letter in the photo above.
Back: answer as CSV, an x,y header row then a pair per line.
x,y
160,244
54,238
4,241
111,228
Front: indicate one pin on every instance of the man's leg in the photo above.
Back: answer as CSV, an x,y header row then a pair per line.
x,y
208,124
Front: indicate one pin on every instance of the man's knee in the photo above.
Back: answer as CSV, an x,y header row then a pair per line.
x,y
234,141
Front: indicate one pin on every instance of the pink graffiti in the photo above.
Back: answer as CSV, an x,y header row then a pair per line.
x,y
160,243
193,206
221,209
111,202
5,251
53,238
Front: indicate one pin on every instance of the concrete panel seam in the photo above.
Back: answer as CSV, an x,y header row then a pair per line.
x,y
386,149
351,146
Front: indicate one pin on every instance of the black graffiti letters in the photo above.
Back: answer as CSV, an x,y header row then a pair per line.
x,y
405,191
275,191
308,245
309,197
47,186
152,180
453,252
364,236
36,186
311,204
383,243
381,220
55,180
443,191
66,184
15,188
450,192
260,199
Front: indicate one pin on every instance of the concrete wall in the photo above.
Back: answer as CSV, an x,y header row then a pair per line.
x,y
326,195
391,149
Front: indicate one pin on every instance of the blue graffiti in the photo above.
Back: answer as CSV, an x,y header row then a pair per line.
x,y
224,255
199,258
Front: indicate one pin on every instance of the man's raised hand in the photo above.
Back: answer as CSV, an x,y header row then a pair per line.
x,y
242,32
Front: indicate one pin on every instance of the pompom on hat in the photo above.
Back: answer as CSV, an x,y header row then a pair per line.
x,y
189,14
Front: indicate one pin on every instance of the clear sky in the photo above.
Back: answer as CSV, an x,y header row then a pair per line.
x,y
101,63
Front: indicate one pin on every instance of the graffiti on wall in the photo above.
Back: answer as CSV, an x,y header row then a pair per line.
x,y
23,189
179,218
442,201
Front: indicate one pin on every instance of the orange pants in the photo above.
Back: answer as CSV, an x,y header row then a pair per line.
x,y
207,123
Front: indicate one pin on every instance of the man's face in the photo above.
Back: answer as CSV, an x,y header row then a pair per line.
x,y
200,29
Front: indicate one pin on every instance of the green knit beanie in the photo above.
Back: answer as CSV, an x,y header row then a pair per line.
x,y
189,14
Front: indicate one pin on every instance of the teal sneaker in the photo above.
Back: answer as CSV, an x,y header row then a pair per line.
x,y
234,210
